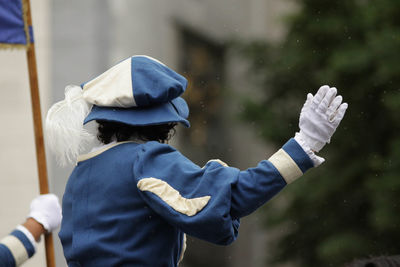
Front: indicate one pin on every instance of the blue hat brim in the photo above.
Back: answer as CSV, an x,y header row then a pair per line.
x,y
175,110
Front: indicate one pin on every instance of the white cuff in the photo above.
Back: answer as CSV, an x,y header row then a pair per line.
x,y
317,160
286,166
27,234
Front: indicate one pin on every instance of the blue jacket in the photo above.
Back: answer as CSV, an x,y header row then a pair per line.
x,y
15,249
131,204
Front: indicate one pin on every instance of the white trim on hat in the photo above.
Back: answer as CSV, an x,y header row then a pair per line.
x,y
113,88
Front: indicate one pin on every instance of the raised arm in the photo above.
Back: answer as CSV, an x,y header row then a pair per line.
x,y
208,201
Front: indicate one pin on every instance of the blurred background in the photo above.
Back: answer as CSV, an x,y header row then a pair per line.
x,y
250,65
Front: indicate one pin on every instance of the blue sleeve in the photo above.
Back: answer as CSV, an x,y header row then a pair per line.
x,y
6,258
255,186
15,249
206,202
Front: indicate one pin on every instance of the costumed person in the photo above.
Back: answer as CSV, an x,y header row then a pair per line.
x,y
131,201
20,245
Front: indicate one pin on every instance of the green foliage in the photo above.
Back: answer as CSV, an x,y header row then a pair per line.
x,y
350,206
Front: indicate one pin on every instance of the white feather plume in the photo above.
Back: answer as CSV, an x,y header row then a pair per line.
x,y
65,134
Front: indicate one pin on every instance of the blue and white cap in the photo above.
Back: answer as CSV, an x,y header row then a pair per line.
x,y
139,91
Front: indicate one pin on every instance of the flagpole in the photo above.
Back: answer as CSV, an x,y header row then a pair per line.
x,y
38,129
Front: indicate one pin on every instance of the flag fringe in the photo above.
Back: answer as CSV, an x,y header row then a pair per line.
x,y
25,8
13,46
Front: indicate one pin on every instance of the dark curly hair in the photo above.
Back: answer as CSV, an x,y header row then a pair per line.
x,y
109,131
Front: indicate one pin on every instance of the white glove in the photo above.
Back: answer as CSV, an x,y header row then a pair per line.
x,y
320,116
46,210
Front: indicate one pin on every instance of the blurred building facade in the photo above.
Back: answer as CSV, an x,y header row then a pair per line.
x,y
77,40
